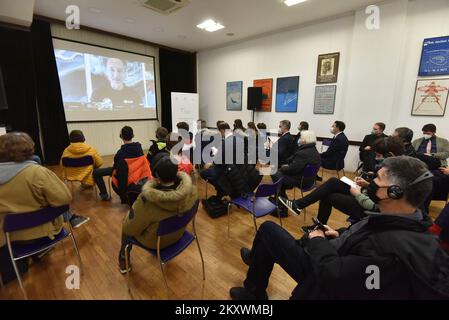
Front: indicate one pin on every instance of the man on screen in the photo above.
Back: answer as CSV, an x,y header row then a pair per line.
x,y
116,94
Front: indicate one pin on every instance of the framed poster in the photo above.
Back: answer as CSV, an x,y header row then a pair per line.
x,y
328,68
234,92
325,99
434,57
267,93
431,97
287,94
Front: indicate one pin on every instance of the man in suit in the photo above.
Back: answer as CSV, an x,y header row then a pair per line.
x,y
431,145
303,126
286,143
367,155
337,150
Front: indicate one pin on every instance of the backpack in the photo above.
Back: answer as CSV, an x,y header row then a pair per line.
x,y
215,207
7,272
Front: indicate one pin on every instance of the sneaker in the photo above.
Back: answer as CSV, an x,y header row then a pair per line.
x,y
77,221
105,197
122,266
319,179
245,254
239,293
290,205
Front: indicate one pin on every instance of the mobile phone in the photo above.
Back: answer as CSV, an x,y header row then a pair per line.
x,y
319,224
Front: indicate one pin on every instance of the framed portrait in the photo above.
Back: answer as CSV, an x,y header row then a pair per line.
x,y
234,95
287,94
431,97
325,99
328,68
267,93
435,57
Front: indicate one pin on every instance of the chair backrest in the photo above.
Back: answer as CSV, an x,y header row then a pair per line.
x,y
21,221
173,224
77,162
327,142
310,173
266,190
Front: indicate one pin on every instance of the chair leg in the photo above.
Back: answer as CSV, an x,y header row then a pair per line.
x,y
202,259
110,186
255,223
163,276
128,280
229,219
1,281
75,247
305,209
11,255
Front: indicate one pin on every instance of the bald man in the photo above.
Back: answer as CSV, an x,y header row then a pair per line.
x,y
117,92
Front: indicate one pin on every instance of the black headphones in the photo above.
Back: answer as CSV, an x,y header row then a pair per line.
x,y
396,192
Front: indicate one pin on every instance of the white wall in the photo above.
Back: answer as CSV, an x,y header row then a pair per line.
x,y
378,70
104,136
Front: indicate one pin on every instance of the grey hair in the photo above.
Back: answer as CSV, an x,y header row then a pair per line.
x,y
308,137
286,124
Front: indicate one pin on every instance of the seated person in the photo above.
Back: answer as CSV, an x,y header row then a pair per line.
x,y
347,199
130,168
79,149
184,164
431,145
441,228
184,126
306,154
286,143
337,150
367,154
303,126
169,194
202,138
158,145
26,186
334,265
406,135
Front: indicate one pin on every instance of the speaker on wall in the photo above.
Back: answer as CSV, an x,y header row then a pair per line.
x,y
255,98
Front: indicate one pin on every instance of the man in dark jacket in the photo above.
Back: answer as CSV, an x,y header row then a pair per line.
x,y
158,145
333,157
388,255
367,155
285,144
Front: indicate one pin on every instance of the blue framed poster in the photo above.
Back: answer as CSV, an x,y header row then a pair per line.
x,y
234,92
435,57
287,94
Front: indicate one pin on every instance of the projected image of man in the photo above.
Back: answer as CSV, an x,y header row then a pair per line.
x,y
116,94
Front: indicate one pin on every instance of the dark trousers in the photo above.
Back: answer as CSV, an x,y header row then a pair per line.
x,y
333,193
288,183
369,160
98,178
275,245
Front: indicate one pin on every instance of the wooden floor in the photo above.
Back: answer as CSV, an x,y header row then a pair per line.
x,y
99,242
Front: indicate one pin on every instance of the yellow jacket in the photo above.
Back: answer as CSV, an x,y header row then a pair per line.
x,y
27,187
84,174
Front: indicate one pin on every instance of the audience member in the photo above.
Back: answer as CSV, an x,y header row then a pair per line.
x,y
158,145
329,264
184,164
333,157
303,126
286,143
169,194
431,145
406,135
78,148
367,155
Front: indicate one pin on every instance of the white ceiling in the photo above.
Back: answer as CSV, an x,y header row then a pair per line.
x,y
244,18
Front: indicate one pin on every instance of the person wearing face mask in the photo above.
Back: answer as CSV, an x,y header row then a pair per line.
x,y
330,264
286,143
333,157
431,145
303,126
348,199
367,154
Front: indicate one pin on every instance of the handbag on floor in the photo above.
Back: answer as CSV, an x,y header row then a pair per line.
x,y
215,207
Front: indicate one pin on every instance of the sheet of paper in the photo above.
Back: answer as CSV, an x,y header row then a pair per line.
x,y
2,131
348,181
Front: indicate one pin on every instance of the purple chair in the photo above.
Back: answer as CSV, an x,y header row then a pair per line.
x,y
21,221
79,163
310,172
166,227
258,204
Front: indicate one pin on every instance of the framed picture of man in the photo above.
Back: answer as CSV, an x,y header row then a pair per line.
x,y
328,68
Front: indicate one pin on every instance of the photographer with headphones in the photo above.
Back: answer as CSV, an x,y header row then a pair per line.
x,y
388,255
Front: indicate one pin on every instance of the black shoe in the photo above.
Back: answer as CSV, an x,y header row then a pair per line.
x,y
245,254
239,293
319,179
290,205
282,212
307,229
77,221
105,197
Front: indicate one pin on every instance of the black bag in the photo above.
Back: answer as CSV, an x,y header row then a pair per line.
x,y
215,207
6,268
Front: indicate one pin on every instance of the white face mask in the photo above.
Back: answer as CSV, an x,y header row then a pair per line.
x,y
427,137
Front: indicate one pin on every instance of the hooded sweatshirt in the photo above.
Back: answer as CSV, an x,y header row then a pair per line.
x,y
28,187
84,174
156,204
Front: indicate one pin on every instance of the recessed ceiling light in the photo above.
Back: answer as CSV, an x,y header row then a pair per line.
x,y
95,10
130,20
293,2
210,25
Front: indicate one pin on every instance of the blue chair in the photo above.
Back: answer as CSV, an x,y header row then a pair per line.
x,y
311,172
21,221
79,163
168,226
257,204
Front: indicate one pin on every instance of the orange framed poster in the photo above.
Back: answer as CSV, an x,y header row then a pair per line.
x,y
267,93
